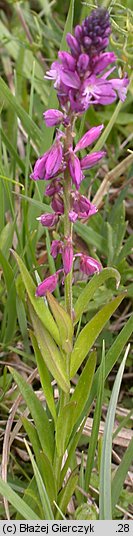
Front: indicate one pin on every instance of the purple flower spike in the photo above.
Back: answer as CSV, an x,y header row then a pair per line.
x,y
48,285
48,220
53,117
56,247
54,160
89,138
75,169
73,45
67,256
91,159
88,265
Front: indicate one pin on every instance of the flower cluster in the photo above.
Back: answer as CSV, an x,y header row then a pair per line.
x,y
80,76
80,79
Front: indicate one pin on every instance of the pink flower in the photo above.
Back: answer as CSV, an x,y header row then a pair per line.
x,y
89,137
53,188
48,285
73,45
88,265
53,117
67,60
75,169
57,204
56,247
40,168
67,256
48,220
54,160
91,160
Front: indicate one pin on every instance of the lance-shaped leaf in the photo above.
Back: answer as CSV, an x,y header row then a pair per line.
x,y
38,414
38,303
50,353
45,376
89,334
89,290
46,506
66,494
63,321
64,427
83,386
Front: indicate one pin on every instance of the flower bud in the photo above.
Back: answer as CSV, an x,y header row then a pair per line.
x,y
56,247
57,204
88,265
48,285
89,137
73,45
67,59
48,220
75,169
67,257
91,159
52,117
54,160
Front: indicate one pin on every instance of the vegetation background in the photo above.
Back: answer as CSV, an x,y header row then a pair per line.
x,y
31,33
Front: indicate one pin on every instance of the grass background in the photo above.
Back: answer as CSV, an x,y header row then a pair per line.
x,y
31,33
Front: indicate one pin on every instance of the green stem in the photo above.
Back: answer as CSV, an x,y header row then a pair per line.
x,y
67,223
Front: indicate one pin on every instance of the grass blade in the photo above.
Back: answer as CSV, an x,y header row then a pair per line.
x,y
105,504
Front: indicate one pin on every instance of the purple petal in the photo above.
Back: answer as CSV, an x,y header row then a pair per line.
x,y
89,138
56,247
91,159
89,266
75,169
48,220
68,61
67,256
54,160
70,79
53,117
48,285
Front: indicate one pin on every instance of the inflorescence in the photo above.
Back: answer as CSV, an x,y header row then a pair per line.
x,y
81,79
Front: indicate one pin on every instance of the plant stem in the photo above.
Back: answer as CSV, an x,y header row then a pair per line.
x,y
67,223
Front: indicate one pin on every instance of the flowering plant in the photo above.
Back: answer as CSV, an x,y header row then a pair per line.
x,y
81,79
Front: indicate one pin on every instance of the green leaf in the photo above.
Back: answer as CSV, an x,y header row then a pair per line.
x,y
48,514
121,473
64,427
9,319
63,321
42,460
105,505
45,377
50,353
66,494
91,287
31,128
6,238
83,386
90,236
95,427
90,333
38,414
111,358
18,503
39,305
